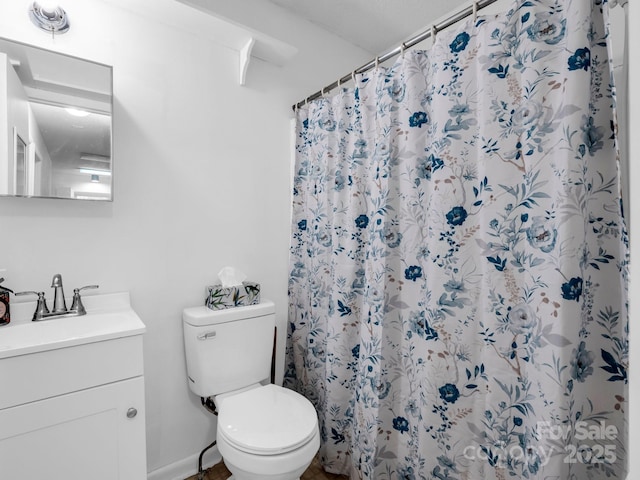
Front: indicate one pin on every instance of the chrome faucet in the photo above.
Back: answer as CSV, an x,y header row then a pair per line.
x,y
59,303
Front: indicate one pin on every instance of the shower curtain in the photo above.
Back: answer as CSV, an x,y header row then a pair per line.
x,y
457,305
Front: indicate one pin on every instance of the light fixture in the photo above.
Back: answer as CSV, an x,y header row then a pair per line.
x,y
95,178
92,157
95,171
76,112
49,17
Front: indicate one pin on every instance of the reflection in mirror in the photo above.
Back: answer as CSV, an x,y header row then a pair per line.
x,y
20,147
55,125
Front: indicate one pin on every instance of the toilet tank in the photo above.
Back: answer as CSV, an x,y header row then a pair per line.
x,y
228,349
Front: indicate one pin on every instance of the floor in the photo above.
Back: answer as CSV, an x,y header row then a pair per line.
x,y
314,472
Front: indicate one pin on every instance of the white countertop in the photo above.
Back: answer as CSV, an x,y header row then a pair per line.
x,y
108,316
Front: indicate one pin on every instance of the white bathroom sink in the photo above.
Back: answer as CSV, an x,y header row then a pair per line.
x,y
53,357
108,316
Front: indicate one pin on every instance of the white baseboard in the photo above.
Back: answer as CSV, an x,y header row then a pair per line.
x,y
186,467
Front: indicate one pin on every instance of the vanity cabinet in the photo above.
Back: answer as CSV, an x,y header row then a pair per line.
x,y
72,398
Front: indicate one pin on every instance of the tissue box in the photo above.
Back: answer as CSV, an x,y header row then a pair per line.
x,y
219,297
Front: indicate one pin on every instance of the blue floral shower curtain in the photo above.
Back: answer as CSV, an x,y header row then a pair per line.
x,y
458,261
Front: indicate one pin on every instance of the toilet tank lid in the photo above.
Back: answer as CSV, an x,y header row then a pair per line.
x,y
200,316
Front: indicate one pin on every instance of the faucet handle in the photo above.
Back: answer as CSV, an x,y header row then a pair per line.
x,y
41,306
86,287
77,305
30,292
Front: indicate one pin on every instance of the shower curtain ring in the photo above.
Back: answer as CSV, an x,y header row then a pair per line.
x,y
353,77
403,47
434,32
475,11
377,62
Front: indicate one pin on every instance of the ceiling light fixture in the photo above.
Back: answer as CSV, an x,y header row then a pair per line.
x,y
95,171
76,112
91,157
49,17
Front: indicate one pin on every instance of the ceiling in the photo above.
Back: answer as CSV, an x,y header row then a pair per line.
x,y
373,25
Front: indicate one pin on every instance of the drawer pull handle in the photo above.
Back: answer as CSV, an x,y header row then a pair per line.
x,y
132,412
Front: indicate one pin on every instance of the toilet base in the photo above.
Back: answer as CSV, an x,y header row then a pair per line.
x,y
233,477
238,473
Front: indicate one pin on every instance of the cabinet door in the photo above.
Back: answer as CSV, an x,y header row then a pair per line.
x,y
87,434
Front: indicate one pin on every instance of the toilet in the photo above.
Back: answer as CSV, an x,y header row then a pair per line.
x,y
264,431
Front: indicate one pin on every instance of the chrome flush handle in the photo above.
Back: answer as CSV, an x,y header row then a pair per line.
x,y
207,336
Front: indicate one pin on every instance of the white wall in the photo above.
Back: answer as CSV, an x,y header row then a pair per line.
x,y
39,161
17,124
202,170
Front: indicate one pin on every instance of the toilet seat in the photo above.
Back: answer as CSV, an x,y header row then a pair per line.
x,y
267,420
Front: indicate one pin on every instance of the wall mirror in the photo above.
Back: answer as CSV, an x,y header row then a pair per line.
x,y
55,125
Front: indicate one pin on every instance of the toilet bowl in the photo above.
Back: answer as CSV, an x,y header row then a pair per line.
x,y
266,432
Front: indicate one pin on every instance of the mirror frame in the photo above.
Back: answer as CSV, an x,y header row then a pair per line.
x,y
32,154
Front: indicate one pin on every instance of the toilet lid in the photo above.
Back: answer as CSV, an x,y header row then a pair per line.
x,y
267,420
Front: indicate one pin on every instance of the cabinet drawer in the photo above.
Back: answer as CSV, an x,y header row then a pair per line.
x,y
32,377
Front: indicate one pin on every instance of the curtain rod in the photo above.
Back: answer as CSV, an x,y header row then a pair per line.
x,y
452,20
